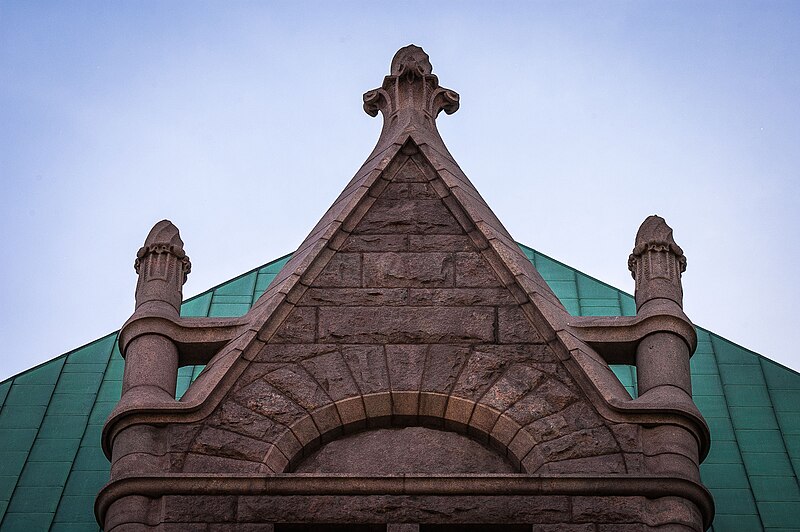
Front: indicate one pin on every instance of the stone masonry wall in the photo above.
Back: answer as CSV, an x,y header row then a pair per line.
x,y
393,374
407,325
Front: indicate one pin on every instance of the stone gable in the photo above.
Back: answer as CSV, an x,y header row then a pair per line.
x,y
408,325
407,369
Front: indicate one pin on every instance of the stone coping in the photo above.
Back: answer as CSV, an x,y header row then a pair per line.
x,y
652,487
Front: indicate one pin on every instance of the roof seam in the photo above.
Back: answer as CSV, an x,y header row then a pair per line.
x,y
780,428
83,435
634,391
33,441
581,309
4,394
255,288
724,397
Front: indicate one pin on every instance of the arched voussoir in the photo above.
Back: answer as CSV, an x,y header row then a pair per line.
x,y
396,409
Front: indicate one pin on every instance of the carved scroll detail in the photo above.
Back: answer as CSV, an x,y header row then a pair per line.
x,y
410,97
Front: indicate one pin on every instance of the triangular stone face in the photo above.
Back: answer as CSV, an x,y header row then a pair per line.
x,y
408,324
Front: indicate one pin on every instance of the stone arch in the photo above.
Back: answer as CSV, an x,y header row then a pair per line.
x,y
279,413
460,415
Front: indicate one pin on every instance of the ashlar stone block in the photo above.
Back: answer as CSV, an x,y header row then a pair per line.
x,y
368,367
442,367
408,269
268,401
343,270
294,382
332,374
417,216
397,325
473,271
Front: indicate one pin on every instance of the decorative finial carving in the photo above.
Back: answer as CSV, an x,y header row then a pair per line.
x,y
410,96
411,61
657,263
162,266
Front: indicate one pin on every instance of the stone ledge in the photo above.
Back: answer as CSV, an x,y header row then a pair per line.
x,y
652,487
197,339
616,338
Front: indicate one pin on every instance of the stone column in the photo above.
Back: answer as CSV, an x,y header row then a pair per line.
x,y
657,262
662,358
151,360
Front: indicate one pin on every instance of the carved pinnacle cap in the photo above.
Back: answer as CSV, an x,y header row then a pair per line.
x,y
655,235
164,237
164,233
411,86
411,61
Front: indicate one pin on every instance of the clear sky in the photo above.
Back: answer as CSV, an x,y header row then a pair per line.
x,y
242,121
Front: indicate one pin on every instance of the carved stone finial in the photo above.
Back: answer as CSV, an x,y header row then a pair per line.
x,y
657,263
162,266
410,97
166,234
411,61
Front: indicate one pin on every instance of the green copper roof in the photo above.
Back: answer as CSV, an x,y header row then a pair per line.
x,y
51,416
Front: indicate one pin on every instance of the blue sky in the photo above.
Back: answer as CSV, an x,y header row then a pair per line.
x,y
242,121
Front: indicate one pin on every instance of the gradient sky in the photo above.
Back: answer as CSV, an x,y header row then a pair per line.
x,y
242,121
